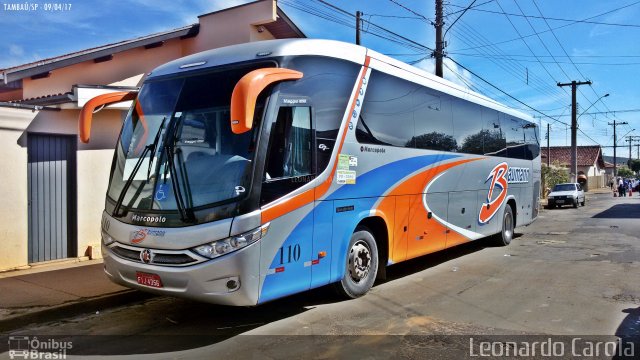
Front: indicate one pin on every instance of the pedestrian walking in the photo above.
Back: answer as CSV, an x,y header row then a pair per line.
x,y
620,187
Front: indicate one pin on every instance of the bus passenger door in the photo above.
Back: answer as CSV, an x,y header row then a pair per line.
x,y
461,214
288,166
426,233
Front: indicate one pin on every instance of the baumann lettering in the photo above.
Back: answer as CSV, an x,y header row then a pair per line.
x,y
517,175
148,219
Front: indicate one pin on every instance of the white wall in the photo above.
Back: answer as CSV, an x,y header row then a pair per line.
x,y
13,189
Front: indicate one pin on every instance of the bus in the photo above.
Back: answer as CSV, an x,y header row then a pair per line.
x,y
251,172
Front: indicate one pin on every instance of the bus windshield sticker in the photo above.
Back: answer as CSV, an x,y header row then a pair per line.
x,y
343,162
346,177
161,193
353,160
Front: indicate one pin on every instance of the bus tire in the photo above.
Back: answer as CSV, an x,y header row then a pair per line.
x,y
361,265
504,237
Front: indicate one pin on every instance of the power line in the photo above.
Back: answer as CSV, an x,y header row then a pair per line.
x,y
551,62
562,26
507,94
573,21
613,112
471,7
565,52
411,11
526,44
469,36
556,55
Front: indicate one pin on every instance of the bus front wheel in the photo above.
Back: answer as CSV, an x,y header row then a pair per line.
x,y
361,265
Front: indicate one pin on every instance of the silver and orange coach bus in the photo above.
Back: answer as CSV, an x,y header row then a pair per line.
x,y
255,171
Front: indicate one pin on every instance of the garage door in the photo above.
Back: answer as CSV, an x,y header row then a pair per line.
x,y
52,196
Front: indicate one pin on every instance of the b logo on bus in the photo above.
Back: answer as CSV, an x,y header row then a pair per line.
x,y
498,177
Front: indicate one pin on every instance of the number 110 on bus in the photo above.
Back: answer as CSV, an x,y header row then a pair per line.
x,y
288,253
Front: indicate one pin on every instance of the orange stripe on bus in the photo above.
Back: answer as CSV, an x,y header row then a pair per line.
x,y
275,210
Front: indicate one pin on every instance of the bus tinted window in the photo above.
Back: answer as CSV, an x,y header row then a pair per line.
x,y
440,122
433,126
387,112
468,127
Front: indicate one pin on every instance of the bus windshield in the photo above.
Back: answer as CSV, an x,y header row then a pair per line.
x,y
177,150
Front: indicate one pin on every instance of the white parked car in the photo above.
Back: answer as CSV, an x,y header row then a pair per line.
x,y
566,194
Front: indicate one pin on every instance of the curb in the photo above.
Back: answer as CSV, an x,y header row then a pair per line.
x,y
82,306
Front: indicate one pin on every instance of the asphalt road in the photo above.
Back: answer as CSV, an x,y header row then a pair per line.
x,y
574,272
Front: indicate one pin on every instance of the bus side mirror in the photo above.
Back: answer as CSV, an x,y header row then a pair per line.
x,y
98,102
246,91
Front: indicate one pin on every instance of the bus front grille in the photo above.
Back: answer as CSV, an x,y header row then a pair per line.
x,y
157,257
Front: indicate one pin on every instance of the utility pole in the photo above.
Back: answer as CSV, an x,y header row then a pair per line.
x,y
631,139
438,53
615,145
548,148
574,127
358,15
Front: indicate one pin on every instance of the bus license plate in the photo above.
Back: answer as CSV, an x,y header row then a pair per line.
x,y
560,201
147,279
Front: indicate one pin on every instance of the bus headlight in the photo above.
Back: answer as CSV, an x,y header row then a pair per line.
x,y
225,246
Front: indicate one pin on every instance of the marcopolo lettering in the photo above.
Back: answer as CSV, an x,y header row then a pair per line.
x,y
517,175
372,150
149,219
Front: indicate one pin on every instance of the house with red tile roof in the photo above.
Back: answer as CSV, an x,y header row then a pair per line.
x,y
591,165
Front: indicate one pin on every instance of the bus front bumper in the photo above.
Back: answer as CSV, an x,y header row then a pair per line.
x,y
232,279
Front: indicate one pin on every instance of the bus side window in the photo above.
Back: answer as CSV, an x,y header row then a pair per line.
x,y
289,158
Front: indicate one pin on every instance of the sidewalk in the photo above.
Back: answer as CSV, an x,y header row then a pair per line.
x,y
44,295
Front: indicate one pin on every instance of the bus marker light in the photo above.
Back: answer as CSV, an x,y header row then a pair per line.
x,y
280,269
322,254
315,262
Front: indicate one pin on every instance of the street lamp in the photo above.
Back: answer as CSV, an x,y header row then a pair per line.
x,y
593,103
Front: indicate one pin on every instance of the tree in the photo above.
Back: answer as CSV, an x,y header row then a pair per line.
x,y
634,164
435,141
483,142
554,174
625,172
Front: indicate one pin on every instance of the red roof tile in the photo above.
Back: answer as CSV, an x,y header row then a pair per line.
x,y
587,155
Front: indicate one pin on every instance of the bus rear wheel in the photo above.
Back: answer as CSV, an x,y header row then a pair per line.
x,y
361,265
504,237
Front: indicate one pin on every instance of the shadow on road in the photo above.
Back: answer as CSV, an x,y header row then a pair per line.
x,y
620,211
629,332
428,261
171,324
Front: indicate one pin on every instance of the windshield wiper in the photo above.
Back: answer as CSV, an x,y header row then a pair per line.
x,y
151,148
155,146
186,213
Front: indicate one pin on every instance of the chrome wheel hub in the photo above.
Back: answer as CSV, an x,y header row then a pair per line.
x,y
359,261
508,227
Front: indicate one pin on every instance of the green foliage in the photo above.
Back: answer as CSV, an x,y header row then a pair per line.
x,y
435,141
554,174
625,172
634,164
483,142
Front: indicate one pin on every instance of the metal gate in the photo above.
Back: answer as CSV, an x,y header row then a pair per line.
x,y
52,196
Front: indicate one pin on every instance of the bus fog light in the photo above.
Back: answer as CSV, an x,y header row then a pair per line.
x,y
106,238
225,246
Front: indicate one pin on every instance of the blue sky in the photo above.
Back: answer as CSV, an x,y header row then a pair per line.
x,y
487,40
